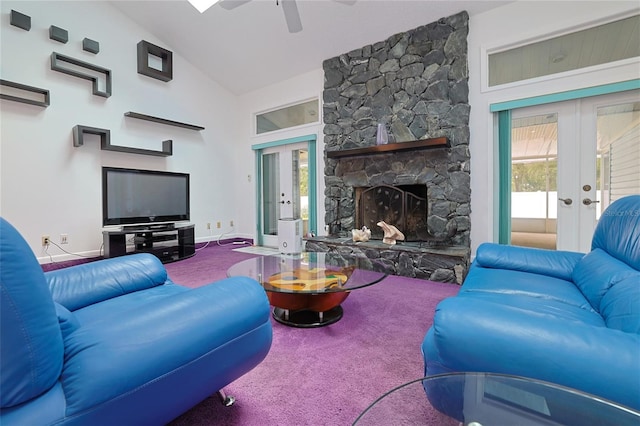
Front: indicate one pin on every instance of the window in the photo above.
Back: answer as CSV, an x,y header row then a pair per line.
x,y
291,116
593,46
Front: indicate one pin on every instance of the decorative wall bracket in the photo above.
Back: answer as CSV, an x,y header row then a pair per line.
x,y
58,34
58,62
89,45
105,142
23,87
165,56
20,20
79,132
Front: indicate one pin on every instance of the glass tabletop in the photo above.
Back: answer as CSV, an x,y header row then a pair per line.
x,y
308,272
483,399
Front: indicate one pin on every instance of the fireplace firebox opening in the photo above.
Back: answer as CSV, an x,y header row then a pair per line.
x,y
404,206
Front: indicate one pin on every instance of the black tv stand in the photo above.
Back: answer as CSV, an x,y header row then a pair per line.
x,y
168,243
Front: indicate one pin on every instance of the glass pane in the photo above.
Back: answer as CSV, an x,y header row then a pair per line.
x,y
283,118
599,45
270,193
534,170
618,156
301,187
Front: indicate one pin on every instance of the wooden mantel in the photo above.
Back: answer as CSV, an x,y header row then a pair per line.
x,y
391,147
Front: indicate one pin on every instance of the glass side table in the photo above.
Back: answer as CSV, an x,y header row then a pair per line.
x,y
483,399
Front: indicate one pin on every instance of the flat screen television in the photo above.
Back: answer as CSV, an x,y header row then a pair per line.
x,y
143,197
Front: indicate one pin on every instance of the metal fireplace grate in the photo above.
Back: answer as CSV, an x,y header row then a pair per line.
x,y
403,206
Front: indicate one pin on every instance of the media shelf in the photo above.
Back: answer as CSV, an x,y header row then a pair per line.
x,y
167,243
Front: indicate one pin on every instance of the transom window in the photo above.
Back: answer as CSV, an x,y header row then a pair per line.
x,y
606,43
291,116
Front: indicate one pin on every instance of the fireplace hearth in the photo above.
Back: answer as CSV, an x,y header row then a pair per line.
x,y
421,192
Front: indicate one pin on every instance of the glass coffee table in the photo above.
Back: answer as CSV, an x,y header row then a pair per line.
x,y
483,399
306,289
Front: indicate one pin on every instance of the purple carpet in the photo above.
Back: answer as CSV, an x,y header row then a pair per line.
x,y
321,376
327,375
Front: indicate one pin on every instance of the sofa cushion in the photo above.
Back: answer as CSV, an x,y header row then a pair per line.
x,y
539,306
597,272
31,348
68,322
78,287
542,288
620,306
553,263
117,306
617,231
150,349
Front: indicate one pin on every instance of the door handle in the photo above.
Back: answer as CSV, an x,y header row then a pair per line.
x,y
588,201
566,201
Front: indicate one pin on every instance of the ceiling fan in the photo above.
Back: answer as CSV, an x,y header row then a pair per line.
x,y
289,7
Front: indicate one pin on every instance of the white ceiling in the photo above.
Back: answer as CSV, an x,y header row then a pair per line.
x,y
249,47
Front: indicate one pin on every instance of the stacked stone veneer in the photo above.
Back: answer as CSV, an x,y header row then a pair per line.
x,y
416,83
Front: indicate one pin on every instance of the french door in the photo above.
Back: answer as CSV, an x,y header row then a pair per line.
x,y
283,188
569,161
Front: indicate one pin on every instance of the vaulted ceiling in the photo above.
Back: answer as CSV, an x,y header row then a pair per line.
x,y
250,47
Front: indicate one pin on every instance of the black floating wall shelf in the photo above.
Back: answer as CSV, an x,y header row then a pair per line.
x,y
23,87
90,45
165,56
20,20
162,120
105,142
57,64
58,34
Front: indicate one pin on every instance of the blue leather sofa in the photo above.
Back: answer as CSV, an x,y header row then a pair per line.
x,y
115,342
561,317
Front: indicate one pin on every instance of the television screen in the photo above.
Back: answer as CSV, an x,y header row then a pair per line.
x,y
131,196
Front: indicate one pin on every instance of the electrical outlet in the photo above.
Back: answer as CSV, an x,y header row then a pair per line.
x,y
64,239
208,225
231,223
218,225
45,240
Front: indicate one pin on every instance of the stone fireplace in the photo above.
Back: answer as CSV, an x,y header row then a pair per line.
x,y
416,84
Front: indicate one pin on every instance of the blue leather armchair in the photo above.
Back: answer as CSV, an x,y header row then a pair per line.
x,y
562,317
116,342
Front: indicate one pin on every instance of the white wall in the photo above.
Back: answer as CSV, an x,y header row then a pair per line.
x,y
49,187
519,22
516,22
303,87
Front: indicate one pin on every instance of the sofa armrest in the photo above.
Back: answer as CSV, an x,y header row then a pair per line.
x,y
483,336
82,285
553,263
150,350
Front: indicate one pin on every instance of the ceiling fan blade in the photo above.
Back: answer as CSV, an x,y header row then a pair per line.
x,y
232,4
292,16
